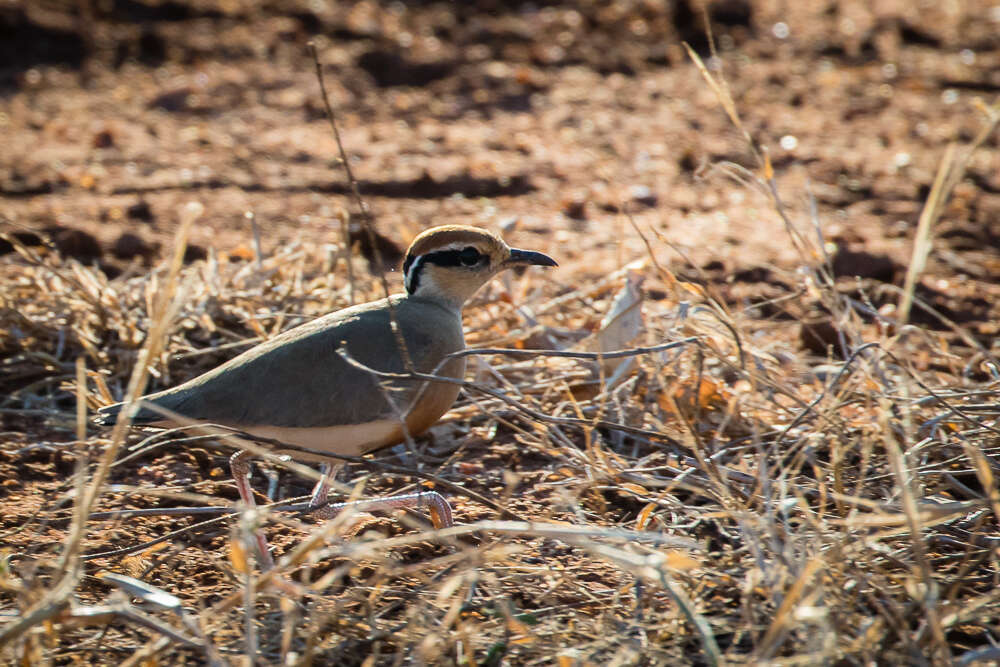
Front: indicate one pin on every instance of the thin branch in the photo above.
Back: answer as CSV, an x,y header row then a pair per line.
x,y
520,407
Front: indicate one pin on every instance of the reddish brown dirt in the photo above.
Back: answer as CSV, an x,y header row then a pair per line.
x,y
542,119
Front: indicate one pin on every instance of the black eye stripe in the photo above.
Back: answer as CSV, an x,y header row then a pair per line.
x,y
467,256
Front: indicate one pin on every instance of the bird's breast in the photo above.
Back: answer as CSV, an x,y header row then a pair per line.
x,y
435,398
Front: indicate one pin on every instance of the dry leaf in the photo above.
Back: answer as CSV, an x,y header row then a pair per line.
x,y
134,565
621,326
645,515
709,397
680,560
693,288
515,626
238,556
241,252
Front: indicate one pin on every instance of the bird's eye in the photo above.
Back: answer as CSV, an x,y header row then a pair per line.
x,y
469,256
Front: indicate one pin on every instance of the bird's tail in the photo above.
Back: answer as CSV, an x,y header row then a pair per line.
x,y
108,415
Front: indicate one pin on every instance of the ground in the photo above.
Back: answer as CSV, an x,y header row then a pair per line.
x,y
586,131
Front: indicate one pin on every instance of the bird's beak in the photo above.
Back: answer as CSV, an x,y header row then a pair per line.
x,y
528,257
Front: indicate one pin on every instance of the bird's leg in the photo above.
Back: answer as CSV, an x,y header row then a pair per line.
x,y
321,491
272,483
239,464
440,509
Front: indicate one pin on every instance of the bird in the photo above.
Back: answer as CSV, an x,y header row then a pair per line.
x,y
299,388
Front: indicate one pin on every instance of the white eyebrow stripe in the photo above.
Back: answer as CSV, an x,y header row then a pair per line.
x,y
408,278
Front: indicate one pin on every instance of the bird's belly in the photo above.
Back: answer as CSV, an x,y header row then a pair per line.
x,y
359,439
346,439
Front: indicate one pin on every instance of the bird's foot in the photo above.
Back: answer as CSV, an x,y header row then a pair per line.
x,y
440,510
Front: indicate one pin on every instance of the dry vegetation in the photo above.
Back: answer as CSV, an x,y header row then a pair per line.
x,y
733,497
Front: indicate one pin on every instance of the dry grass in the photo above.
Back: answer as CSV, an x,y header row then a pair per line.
x,y
841,512
733,500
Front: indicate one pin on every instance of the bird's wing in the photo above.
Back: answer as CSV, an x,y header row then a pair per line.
x,y
299,379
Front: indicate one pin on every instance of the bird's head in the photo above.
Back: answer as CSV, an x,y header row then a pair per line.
x,y
451,262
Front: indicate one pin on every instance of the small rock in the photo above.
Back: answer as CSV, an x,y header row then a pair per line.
x,y
756,274
110,270
152,48
140,211
818,335
129,245
104,139
193,253
173,100
75,243
509,223
861,264
642,194
688,162
388,251
575,209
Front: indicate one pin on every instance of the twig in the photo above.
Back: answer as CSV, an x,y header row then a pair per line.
x,y
257,252
948,176
593,356
520,407
922,243
345,222
366,221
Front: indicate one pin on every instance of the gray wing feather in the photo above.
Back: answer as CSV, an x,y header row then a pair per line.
x,y
298,379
